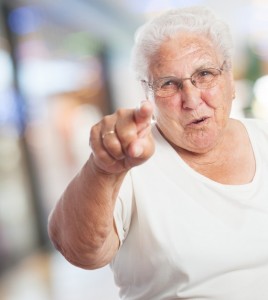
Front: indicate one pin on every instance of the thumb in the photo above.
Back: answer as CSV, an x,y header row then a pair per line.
x,y
142,148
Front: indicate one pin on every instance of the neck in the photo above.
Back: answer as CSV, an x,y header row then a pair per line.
x,y
213,157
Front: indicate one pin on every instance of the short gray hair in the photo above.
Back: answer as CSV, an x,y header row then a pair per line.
x,y
200,20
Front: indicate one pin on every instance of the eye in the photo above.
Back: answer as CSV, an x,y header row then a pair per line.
x,y
205,73
204,76
168,83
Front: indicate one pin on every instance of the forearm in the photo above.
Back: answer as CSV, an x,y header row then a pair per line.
x,y
81,225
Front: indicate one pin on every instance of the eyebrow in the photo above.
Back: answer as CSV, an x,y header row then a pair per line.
x,y
205,65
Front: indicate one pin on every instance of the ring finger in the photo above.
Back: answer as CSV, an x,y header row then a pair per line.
x,y
112,144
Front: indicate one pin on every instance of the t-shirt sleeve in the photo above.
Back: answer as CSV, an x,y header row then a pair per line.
x,y
124,208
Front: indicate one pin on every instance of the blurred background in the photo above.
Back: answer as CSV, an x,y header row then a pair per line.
x,y
64,64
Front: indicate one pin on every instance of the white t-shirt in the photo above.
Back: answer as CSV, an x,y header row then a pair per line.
x,y
184,236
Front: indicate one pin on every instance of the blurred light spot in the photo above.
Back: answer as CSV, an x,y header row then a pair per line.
x,y
259,30
261,101
6,73
261,90
8,110
9,154
152,5
24,20
81,44
51,77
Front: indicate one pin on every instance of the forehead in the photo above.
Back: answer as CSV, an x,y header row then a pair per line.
x,y
185,51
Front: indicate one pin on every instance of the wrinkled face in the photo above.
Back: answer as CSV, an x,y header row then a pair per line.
x,y
193,119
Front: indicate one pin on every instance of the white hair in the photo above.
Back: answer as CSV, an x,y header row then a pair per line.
x,y
200,20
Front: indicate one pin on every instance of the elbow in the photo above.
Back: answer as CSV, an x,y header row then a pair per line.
x,y
82,247
88,260
54,233
88,264
86,255
78,253
75,255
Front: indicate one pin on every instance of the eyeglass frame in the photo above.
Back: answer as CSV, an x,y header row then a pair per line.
x,y
179,81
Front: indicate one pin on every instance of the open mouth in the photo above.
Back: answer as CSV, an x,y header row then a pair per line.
x,y
198,121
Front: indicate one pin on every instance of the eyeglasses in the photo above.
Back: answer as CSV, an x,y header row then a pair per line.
x,y
201,79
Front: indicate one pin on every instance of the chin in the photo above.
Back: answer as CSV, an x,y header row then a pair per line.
x,y
201,141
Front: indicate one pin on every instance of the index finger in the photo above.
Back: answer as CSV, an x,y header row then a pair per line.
x,y
143,115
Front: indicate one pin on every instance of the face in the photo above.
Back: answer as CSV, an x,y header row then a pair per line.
x,y
193,119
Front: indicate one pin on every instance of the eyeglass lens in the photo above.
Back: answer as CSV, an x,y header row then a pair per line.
x,y
203,79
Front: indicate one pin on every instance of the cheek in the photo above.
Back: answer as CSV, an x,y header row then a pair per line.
x,y
219,98
167,106
212,97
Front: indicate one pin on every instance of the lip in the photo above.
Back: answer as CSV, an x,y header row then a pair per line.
x,y
198,122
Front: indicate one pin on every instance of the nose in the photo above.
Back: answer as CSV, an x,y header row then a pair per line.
x,y
190,95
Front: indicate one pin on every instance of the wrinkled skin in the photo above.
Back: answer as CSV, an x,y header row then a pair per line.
x,y
175,115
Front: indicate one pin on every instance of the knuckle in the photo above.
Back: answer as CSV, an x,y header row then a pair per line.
x,y
106,120
121,112
94,134
94,130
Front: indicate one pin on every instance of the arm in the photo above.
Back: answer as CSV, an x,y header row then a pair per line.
x,y
81,226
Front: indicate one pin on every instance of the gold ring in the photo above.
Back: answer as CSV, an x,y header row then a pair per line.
x,y
107,133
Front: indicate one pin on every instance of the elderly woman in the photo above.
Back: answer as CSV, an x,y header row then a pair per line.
x,y
178,206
